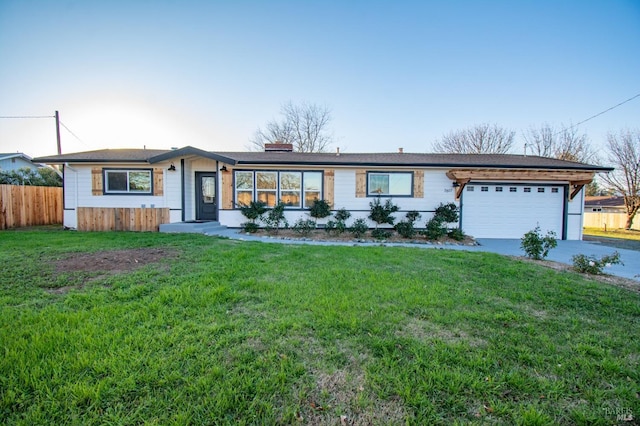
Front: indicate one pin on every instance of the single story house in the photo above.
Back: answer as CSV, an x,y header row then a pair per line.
x,y
607,212
499,196
604,204
15,161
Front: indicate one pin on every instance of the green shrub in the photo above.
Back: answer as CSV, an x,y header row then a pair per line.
x,y
593,265
342,215
381,234
304,226
250,227
434,229
275,218
382,213
536,246
447,213
359,228
254,210
405,228
413,215
339,225
456,234
42,176
330,226
319,209
335,227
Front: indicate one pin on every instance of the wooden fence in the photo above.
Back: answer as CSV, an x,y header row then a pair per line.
x,y
30,206
121,219
610,220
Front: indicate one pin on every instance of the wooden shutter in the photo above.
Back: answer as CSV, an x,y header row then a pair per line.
x,y
96,181
361,183
418,184
329,178
226,188
158,182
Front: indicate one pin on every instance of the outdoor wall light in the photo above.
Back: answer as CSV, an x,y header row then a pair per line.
x,y
172,168
223,168
456,184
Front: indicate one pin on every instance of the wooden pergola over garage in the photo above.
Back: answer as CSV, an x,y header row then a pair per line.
x,y
577,179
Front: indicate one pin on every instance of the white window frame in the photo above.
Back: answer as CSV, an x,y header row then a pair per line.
x,y
390,175
259,190
236,190
302,191
128,191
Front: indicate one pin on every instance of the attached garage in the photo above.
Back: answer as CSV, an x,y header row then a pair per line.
x,y
508,210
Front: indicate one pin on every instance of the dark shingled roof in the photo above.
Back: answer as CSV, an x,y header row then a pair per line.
x,y
326,159
604,201
104,155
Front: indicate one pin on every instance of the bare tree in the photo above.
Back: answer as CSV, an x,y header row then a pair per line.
x,y
479,139
305,126
624,155
565,144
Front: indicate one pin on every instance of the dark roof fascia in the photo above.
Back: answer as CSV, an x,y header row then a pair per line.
x,y
189,150
433,165
88,161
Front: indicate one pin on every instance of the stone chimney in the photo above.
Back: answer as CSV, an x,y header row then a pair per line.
x,y
400,150
278,146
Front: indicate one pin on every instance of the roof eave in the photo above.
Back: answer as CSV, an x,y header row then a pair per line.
x,y
189,150
420,164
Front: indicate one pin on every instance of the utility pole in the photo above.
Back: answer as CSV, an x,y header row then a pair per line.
x,y
58,132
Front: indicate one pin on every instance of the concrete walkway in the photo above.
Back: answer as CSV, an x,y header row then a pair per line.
x,y
509,247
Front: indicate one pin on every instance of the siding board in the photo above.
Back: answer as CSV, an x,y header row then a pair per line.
x,y
329,179
96,181
121,219
418,184
158,181
361,183
226,187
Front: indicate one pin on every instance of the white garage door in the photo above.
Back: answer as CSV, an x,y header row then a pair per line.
x,y
510,211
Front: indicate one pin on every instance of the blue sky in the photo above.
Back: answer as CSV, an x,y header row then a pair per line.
x,y
394,73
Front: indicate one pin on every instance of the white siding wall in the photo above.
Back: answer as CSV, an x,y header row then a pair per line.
x,y
78,191
437,189
575,216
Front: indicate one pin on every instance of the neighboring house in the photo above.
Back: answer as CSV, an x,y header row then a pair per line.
x,y
604,204
15,161
499,196
607,212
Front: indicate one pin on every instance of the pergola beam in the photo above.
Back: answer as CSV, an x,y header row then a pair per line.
x,y
576,178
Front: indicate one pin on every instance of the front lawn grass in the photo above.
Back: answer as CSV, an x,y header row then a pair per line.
x,y
231,332
625,234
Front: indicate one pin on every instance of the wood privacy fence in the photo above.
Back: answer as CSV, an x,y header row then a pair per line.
x,y
609,220
121,219
30,206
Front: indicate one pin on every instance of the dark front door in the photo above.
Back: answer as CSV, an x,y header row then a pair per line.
x,y
206,206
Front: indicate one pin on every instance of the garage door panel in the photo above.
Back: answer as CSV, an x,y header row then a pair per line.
x,y
507,214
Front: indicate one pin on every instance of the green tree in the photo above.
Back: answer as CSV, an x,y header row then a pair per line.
x,y
43,176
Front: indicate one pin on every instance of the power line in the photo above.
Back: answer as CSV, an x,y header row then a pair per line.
x,y
72,134
28,116
606,110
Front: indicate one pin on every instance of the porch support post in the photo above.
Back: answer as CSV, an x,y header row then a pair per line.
x,y
182,193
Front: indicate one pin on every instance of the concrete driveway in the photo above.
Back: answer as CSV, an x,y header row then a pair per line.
x,y
509,247
567,249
